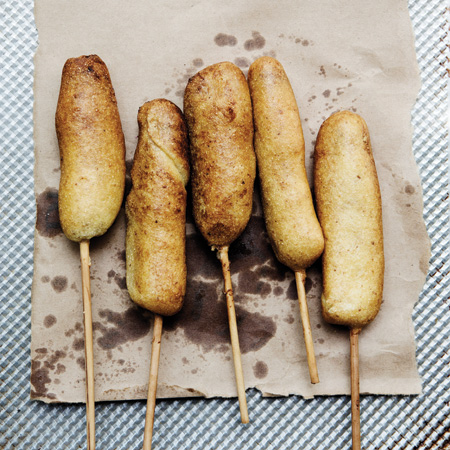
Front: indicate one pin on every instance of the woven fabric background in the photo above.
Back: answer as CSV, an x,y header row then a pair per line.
x,y
421,422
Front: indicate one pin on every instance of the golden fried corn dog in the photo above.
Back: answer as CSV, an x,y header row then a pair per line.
x,y
156,219
218,111
291,221
349,208
92,149
156,210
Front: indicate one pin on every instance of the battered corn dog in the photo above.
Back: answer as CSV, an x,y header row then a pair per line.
x,y
349,208
156,210
92,152
92,149
291,221
218,111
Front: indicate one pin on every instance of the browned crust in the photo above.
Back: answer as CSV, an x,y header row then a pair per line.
x,y
349,208
92,149
291,221
218,111
156,210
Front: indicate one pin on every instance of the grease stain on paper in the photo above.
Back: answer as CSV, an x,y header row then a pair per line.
x,y
41,368
47,215
59,283
49,321
117,328
260,369
223,40
257,42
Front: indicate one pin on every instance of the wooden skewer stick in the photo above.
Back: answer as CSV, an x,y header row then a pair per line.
x,y
88,344
354,367
300,277
223,256
152,382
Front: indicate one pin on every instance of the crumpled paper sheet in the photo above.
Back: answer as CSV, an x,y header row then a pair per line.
x,y
353,55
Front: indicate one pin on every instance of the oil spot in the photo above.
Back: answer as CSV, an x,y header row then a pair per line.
x,y
326,93
255,330
194,371
41,350
130,325
49,321
322,71
250,283
185,360
59,284
223,40
305,43
260,369
50,363
47,215
60,368
40,373
74,287
121,362
257,42
409,189
242,62
289,319
278,291
320,341
78,344
197,62
45,279
119,280
318,326
39,380
81,362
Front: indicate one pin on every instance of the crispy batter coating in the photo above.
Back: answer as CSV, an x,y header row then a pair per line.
x,y
291,221
218,111
156,210
349,208
92,149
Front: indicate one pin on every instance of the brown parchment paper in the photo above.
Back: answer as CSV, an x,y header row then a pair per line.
x,y
348,55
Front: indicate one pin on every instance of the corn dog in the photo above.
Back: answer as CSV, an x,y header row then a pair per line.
x,y
92,152
291,221
92,149
349,208
156,219
218,111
